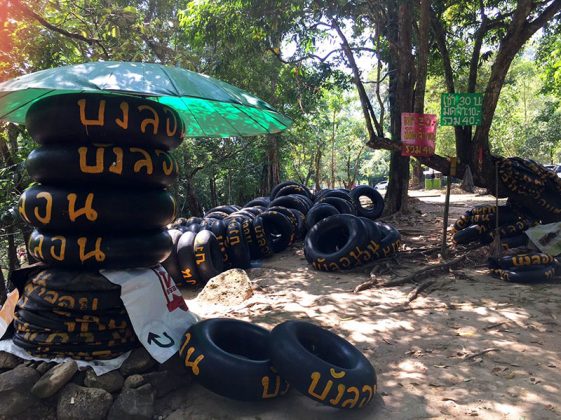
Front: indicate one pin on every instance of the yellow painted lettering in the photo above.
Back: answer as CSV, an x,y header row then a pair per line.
x,y
46,218
316,376
21,208
117,165
265,381
170,132
340,392
124,121
143,163
155,121
351,402
366,400
96,253
167,162
91,169
62,250
194,365
87,210
38,250
100,121
67,301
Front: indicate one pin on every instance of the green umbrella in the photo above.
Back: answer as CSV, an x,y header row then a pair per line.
x,y
209,107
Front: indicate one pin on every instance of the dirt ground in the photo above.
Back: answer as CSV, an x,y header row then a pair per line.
x,y
470,345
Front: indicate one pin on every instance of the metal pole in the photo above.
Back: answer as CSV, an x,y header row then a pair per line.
x,y
497,233
446,210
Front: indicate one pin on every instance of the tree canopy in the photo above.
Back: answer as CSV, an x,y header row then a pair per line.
x,y
343,71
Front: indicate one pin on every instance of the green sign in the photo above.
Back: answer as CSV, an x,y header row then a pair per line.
x,y
460,108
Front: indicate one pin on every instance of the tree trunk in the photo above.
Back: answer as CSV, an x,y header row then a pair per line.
x,y
400,67
317,174
273,160
13,262
193,204
212,188
332,182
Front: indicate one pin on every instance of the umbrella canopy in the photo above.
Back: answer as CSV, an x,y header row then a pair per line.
x,y
209,107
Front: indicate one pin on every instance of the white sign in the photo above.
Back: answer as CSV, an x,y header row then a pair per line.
x,y
158,312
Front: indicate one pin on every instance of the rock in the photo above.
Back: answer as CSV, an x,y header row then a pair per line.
x,y
110,381
15,386
8,360
163,382
139,361
133,404
229,288
134,381
44,367
54,379
80,403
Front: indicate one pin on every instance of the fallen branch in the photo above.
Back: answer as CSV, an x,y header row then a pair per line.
x,y
415,277
366,285
481,353
415,292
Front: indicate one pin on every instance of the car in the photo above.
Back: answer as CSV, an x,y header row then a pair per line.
x,y
382,185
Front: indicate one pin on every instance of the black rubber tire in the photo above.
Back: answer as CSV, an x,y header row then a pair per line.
x,y
75,321
389,243
300,224
290,201
143,249
334,243
231,358
186,259
237,246
73,280
529,259
373,229
216,215
278,187
305,354
75,337
38,297
170,264
537,274
218,227
259,201
469,234
278,228
208,256
132,167
290,216
338,194
246,214
297,189
256,211
249,234
74,118
261,238
319,212
342,205
376,198
514,242
95,210
228,209
194,227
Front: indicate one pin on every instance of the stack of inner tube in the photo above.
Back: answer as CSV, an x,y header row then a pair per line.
x,y
100,201
67,313
531,188
230,236
479,224
527,267
246,362
344,241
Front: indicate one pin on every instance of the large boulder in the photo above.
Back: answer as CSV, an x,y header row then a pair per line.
x,y
230,288
15,391
80,403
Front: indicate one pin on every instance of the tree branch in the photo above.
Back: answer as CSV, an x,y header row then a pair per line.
x,y
31,14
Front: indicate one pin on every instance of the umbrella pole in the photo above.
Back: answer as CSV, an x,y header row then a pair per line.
x,y
446,210
497,233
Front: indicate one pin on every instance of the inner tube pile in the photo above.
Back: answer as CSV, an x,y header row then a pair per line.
x,y
527,267
532,188
100,201
479,224
243,361
229,236
344,241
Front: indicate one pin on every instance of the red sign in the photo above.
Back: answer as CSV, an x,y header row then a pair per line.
x,y
418,134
